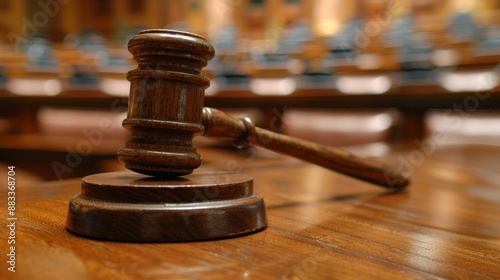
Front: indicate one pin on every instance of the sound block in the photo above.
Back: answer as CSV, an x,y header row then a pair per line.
x,y
127,206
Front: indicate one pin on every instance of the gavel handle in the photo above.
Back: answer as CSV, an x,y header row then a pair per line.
x,y
219,125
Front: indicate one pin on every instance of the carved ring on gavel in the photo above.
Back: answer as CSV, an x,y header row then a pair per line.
x,y
163,200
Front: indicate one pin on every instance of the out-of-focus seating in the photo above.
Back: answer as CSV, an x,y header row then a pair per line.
x,y
463,127
79,122
341,127
463,28
2,75
491,39
109,68
343,45
32,69
67,142
227,65
412,48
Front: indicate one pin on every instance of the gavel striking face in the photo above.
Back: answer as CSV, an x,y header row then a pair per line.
x,y
166,112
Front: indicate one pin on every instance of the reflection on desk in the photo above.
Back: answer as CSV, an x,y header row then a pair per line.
x,y
322,225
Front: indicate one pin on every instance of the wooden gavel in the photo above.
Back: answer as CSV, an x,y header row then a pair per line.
x,y
166,112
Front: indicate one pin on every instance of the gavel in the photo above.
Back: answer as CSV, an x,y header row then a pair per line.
x,y
166,111
160,200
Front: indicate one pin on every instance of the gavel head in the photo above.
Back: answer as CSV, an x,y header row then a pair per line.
x,y
166,102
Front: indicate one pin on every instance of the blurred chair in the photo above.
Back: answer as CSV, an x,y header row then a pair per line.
x,y
40,53
448,128
400,31
284,57
225,65
34,70
465,63
491,39
463,28
93,43
83,75
295,38
372,69
341,127
343,45
415,54
98,61
370,73
3,78
314,64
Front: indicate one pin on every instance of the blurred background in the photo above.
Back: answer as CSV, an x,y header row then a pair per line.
x,y
337,72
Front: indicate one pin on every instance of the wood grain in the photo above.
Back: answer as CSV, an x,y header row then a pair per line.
x,y
127,206
243,132
322,225
166,102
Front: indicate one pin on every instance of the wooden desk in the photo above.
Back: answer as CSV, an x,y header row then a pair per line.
x,y
322,225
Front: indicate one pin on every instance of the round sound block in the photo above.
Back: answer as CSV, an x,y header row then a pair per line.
x,y
127,206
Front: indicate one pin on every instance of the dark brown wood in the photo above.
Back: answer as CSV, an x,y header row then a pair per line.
x,y
166,102
126,206
164,114
322,225
219,124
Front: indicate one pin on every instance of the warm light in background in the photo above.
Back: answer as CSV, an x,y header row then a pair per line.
x,y
327,14
464,6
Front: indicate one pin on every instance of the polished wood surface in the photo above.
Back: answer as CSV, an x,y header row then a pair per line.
x,y
322,225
